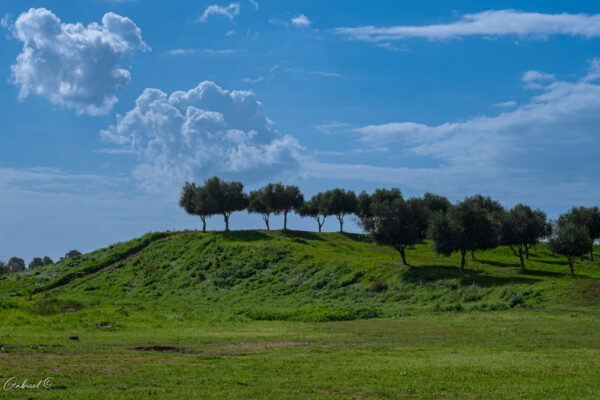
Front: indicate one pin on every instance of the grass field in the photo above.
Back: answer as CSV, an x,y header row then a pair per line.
x,y
296,315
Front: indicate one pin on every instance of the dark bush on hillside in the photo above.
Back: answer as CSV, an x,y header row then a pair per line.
x,y
47,261
379,286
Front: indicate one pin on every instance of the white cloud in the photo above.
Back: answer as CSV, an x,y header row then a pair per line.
x,y
180,52
230,11
317,73
220,51
537,76
254,3
546,147
506,104
488,24
301,21
74,65
202,132
255,80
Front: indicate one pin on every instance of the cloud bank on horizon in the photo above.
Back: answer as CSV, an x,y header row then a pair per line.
x,y
74,65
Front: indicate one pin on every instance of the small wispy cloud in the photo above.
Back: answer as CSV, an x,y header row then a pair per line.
x,y
254,3
230,11
114,151
312,72
220,51
255,80
180,52
301,21
506,104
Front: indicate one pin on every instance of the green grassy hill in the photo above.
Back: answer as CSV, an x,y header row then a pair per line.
x,y
294,275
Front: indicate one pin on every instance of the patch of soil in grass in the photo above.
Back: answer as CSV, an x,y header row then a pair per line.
x,y
166,349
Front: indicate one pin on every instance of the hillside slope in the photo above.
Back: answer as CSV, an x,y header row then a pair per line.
x,y
296,275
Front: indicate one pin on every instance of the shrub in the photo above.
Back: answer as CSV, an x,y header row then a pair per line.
x,y
379,286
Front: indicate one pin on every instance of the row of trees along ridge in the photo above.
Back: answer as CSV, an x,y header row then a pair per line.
x,y
476,223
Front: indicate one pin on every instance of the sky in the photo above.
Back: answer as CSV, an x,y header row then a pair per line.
x,y
109,106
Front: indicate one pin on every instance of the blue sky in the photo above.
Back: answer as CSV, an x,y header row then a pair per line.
x,y
109,106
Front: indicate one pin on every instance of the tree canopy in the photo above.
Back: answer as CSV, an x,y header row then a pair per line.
x,y
315,208
340,203
196,201
586,217
522,228
288,198
15,264
263,201
227,197
570,240
468,226
397,222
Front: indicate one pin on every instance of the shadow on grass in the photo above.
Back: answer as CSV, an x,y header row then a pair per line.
x,y
537,272
432,273
357,237
499,263
307,235
245,236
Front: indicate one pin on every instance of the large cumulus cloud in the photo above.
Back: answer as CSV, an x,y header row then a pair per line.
x,y
202,132
74,65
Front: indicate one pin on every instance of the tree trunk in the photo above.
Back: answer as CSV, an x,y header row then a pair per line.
x,y
592,253
203,224
571,267
521,258
284,220
473,255
320,225
527,252
266,219
341,219
403,255
226,217
463,253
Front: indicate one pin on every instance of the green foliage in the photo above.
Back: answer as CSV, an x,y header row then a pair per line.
x,y
571,241
227,197
472,224
521,227
397,223
15,264
315,208
264,201
340,203
36,262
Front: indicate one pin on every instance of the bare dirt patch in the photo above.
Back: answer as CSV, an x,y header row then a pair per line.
x,y
166,349
263,345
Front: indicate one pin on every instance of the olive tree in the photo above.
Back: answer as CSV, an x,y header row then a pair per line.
x,y
196,201
468,226
47,260
263,201
15,264
570,240
36,262
315,208
3,268
364,213
340,203
227,197
398,222
588,218
288,198
522,228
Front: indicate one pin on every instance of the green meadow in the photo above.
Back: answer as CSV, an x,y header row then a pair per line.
x,y
296,315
